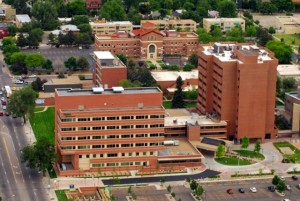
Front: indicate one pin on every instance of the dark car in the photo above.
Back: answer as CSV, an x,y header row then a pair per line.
x,y
230,191
295,178
271,188
1,113
241,190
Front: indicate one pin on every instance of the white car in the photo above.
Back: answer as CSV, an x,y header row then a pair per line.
x,y
282,178
286,200
253,190
33,75
4,107
19,82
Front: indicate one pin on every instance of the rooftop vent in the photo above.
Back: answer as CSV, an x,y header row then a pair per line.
x,y
117,89
98,90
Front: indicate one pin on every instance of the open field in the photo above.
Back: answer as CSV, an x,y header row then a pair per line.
x,y
295,157
232,161
289,38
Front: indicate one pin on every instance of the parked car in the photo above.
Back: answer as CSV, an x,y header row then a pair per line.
x,y
2,99
282,178
1,113
1,92
298,186
286,199
241,190
230,191
4,107
19,81
3,102
294,177
33,75
288,187
253,190
271,188
7,113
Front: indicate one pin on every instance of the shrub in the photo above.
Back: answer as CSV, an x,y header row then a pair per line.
x,y
81,77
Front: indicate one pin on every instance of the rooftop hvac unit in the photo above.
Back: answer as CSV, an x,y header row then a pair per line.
x,y
117,89
98,90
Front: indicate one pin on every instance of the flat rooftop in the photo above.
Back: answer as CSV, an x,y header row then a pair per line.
x,y
111,23
180,117
183,149
288,70
173,75
104,55
223,19
224,52
85,92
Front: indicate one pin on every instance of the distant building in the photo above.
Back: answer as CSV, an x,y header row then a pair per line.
x,y
104,27
69,28
289,70
148,43
7,12
108,70
213,13
292,108
237,84
22,19
225,24
177,24
167,80
93,5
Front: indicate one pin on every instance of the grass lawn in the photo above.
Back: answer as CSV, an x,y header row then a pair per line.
x,y
232,161
168,104
61,195
43,124
37,109
293,157
288,38
250,154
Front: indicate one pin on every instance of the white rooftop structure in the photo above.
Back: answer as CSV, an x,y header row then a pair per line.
x,y
23,18
56,32
287,70
104,55
173,75
69,27
65,19
112,23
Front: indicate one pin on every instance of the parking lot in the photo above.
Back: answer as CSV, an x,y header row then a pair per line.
x,y
59,55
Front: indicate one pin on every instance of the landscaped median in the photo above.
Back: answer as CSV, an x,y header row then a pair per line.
x,y
288,151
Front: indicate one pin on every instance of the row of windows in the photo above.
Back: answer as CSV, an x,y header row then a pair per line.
x,y
102,137
124,154
112,118
119,164
85,128
103,146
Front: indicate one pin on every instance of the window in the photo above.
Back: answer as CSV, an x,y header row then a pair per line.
x,y
154,116
127,136
87,156
151,49
112,145
127,117
83,119
112,155
141,117
98,146
67,129
127,126
98,118
97,165
137,153
80,156
112,118
84,128
84,147
111,164
123,154
98,137
126,145
151,153
94,155
141,126
68,138
112,136
84,138
140,144
67,119
112,127
67,147
140,135
129,154
101,155
144,153
137,163
98,128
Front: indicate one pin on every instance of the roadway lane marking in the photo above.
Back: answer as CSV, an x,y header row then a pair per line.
x,y
11,166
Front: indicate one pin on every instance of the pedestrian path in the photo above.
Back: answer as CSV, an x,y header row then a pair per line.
x,y
45,108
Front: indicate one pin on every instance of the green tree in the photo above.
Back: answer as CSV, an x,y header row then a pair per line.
x,y
18,57
199,190
235,34
71,63
113,10
134,16
34,60
272,30
8,41
82,63
283,5
288,83
216,32
128,84
177,101
76,7
123,58
263,36
280,187
282,51
245,142
227,8
83,39
267,8
275,180
12,30
191,94
45,11
250,31
47,65
11,49
257,146
193,185
193,59
85,28
169,188
22,102
204,37
80,19
221,151
40,155
21,41
37,84
37,33
188,67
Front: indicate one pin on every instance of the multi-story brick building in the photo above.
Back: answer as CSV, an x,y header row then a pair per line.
x,y
108,70
178,24
237,84
225,24
148,43
108,128
104,27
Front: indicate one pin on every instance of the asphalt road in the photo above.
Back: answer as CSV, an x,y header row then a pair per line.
x,y
151,179
18,183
